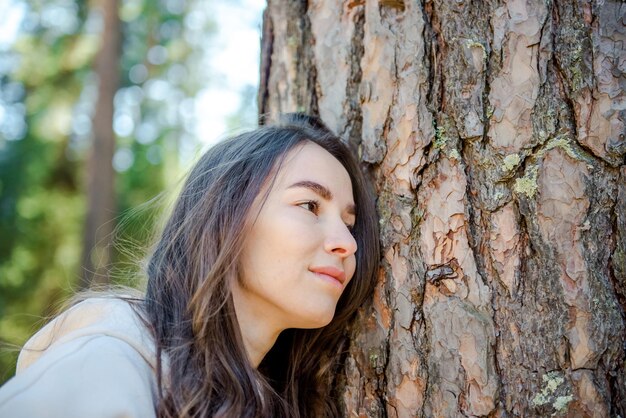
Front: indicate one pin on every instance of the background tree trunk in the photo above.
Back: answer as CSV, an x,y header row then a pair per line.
x,y
101,207
494,133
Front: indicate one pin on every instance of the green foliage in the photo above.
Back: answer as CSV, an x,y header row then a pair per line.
x,y
41,207
49,90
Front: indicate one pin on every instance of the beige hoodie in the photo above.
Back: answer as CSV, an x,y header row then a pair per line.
x,y
97,359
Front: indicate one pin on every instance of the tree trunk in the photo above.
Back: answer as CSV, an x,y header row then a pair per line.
x,y
494,133
101,207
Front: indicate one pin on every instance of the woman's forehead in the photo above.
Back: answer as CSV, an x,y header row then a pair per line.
x,y
312,163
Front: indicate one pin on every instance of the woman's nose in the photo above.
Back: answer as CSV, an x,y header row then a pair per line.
x,y
340,241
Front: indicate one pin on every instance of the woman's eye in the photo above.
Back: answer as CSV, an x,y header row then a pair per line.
x,y
311,206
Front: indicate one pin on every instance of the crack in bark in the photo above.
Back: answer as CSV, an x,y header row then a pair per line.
x,y
563,88
307,65
387,124
525,243
382,391
501,401
541,38
355,115
470,214
437,45
267,46
428,33
615,232
427,345
416,325
618,405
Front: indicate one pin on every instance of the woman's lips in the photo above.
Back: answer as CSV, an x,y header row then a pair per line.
x,y
330,272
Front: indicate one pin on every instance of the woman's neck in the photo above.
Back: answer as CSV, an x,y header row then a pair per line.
x,y
258,330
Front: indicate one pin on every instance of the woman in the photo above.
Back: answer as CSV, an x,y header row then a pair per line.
x,y
270,249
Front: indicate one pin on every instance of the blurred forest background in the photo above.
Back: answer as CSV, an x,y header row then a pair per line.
x,y
49,108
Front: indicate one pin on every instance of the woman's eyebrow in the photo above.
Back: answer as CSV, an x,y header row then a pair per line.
x,y
322,191
315,187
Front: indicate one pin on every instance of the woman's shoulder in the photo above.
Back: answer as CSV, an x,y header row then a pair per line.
x,y
95,359
116,317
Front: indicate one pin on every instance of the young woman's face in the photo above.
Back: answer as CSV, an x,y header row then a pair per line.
x,y
300,253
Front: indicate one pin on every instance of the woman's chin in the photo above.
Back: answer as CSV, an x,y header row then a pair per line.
x,y
317,320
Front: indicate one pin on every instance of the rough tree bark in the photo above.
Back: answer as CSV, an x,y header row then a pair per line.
x,y
101,205
494,133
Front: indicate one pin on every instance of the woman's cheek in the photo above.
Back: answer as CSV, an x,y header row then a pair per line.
x,y
351,266
302,222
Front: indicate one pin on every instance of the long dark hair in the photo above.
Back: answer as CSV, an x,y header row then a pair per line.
x,y
196,260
